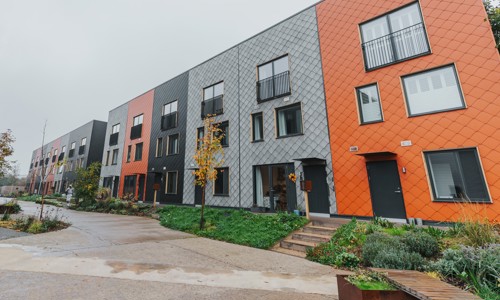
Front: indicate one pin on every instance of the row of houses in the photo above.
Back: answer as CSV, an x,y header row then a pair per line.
x,y
389,108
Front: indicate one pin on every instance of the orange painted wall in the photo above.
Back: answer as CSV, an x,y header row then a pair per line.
x,y
140,105
458,33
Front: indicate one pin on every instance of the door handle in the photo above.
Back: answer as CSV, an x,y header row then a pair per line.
x,y
398,191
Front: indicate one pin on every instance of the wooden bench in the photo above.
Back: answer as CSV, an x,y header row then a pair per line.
x,y
424,287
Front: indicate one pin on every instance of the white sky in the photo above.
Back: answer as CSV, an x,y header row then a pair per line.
x,y
69,62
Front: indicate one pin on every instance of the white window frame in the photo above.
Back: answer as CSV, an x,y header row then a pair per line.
x,y
138,120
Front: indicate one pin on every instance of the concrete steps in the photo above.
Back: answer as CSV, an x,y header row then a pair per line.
x,y
314,233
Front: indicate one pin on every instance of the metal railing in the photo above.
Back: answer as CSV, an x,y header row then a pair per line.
x,y
397,46
169,121
113,139
136,132
214,106
274,87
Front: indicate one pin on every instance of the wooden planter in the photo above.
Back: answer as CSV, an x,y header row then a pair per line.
x,y
348,291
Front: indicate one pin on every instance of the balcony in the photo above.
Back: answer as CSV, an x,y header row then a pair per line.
x,y
214,106
113,139
169,121
61,156
47,161
136,132
274,87
31,166
54,158
71,153
398,46
81,150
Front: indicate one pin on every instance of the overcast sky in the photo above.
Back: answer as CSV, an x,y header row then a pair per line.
x,y
69,62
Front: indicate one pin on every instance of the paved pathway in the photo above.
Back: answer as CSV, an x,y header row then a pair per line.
x,y
125,257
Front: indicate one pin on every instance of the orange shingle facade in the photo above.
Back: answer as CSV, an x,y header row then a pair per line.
x,y
458,33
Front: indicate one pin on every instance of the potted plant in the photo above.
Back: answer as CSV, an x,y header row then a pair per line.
x,y
364,285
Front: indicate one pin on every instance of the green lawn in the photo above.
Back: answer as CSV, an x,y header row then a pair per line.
x,y
234,226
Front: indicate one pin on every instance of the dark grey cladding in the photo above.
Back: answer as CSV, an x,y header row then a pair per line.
x,y
172,90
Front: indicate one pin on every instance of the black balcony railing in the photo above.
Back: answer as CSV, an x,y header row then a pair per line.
x,y
71,153
113,139
81,150
401,45
47,161
31,166
136,132
274,87
169,121
61,156
54,158
214,106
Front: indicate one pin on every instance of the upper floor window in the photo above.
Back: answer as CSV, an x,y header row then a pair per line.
x,y
63,149
213,100
169,116
159,147
138,152
224,130
200,133
136,130
115,128
273,79
81,149
434,90
370,110
129,152
289,120
113,138
84,142
456,175
394,37
257,127
173,144
73,145
114,159
72,149
138,119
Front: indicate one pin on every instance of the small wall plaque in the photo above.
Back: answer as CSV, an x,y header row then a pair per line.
x,y
353,149
406,143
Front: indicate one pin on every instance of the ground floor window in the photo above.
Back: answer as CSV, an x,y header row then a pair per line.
x,y
221,184
456,175
271,187
171,183
129,185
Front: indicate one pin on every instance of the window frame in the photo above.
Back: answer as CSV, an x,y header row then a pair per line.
x,y
252,121
114,161
159,147
212,86
167,177
141,152
386,15
107,157
73,146
225,124
83,142
276,121
171,113
274,74
430,179
226,171
139,118
117,127
129,153
358,104
198,142
459,86
168,144
272,62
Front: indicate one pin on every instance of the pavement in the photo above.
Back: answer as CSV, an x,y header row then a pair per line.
x,y
104,256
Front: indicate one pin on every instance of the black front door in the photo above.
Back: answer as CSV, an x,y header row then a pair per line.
x,y
116,184
140,192
318,197
385,189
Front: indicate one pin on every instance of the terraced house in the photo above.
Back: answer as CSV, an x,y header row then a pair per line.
x,y
388,107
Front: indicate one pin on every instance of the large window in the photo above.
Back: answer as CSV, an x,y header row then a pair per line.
x,y
169,116
159,147
173,144
115,128
113,138
171,183
224,130
221,184
213,100
138,152
432,91
289,120
370,110
394,37
257,127
456,175
274,79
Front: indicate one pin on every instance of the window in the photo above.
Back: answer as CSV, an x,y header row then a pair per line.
x,y
456,175
213,100
56,152
159,147
107,158
115,128
224,127
173,144
129,153
138,152
394,37
129,185
63,149
274,79
257,127
221,185
73,145
370,110
289,120
84,142
433,91
81,149
200,133
114,160
138,120
169,116
171,183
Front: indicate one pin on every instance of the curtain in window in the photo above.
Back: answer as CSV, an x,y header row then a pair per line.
x,y
282,130
259,190
257,128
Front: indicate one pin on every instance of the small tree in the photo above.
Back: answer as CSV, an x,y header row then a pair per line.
x,y
86,184
208,157
493,11
6,150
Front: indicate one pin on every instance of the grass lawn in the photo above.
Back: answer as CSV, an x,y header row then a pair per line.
x,y
233,226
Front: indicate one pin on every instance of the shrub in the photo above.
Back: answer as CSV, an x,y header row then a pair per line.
x,y
384,223
399,259
347,260
35,227
479,267
478,234
376,243
422,243
6,217
435,232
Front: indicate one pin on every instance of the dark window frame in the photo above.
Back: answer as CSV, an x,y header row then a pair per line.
x,y
277,109
136,158
168,144
159,147
358,101
386,15
224,172
259,80
114,161
170,114
459,85
213,99
129,153
455,151
225,140
198,142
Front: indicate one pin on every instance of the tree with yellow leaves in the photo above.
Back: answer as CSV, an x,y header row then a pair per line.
x,y
208,157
